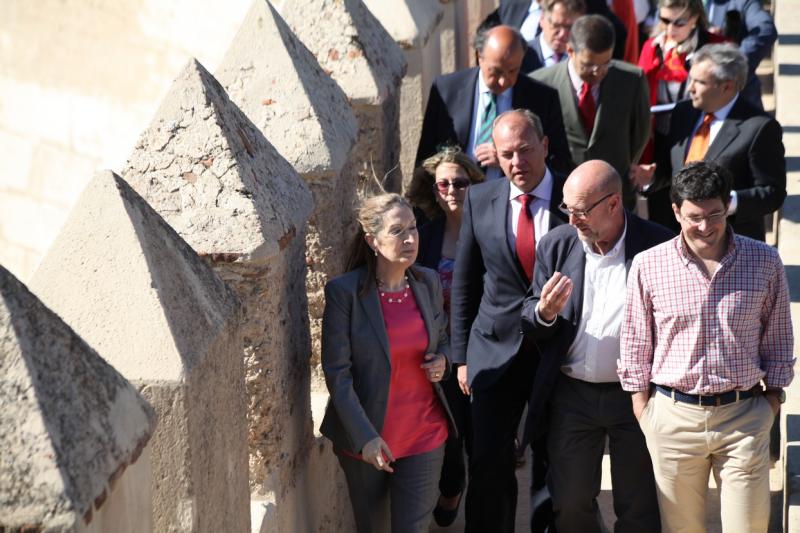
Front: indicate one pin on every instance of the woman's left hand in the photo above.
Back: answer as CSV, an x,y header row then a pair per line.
x,y
434,366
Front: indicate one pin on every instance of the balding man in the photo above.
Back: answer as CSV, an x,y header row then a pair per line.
x,y
573,312
462,105
502,221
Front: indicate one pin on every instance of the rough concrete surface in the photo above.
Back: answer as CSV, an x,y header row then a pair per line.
x,y
410,22
301,110
134,289
71,424
350,43
213,176
217,149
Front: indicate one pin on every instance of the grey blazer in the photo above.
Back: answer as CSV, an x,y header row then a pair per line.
x,y
622,123
355,354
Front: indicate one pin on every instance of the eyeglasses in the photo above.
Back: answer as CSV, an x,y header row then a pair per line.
x,y
458,184
558,26
713,218
594,69
582,213
678,23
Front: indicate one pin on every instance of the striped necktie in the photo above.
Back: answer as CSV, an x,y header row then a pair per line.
x,y
489,114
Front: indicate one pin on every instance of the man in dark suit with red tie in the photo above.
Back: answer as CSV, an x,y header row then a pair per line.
x,y
501,223
718,124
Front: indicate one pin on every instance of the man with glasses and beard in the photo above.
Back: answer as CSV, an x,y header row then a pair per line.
x,y
573,312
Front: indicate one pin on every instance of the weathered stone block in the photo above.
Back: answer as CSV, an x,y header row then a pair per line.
x,y
361,56
414,25
205,167
71,426
134,289
270,74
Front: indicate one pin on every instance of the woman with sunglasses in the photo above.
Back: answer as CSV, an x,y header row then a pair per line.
x,y
666,59
384,340
438,189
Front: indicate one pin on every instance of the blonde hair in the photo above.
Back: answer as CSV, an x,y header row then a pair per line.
x,y
370,215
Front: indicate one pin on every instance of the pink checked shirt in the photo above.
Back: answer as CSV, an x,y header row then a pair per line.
x,y
706,336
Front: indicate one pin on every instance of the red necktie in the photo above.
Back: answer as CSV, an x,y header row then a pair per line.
x,y
526,237
587,109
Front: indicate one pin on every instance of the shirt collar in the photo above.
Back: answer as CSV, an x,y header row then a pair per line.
x,y
547,52
723,112
484,89
543,191
615,251
574,77
687,257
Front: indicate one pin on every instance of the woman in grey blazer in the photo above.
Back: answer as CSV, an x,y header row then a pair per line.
x,y
384,346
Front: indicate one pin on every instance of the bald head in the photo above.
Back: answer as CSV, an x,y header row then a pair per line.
x,y
500,52
593,194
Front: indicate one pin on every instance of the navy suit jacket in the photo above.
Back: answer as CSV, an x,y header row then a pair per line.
x,y
356,358
561,250
749,145
756,34
489,284
431,238
448,116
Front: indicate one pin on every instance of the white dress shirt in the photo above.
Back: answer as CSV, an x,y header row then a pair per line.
x,y
540,208
593,354
482,97
716,125
531,23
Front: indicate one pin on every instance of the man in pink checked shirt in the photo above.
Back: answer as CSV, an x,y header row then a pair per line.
x,y
706,350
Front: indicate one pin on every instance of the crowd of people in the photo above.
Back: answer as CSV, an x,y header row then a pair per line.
x,y
582,241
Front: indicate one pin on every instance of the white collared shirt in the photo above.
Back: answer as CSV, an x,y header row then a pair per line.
x,y
577,85
715,126
548,54
531,23
593,354
540,209
482,97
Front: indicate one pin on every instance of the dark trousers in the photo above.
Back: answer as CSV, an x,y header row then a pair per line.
x,y
496,410
401,502
582,416
454,470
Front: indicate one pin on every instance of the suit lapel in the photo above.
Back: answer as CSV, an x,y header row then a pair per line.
x,y
633,241
678,152
499,218
423,297
372,309
556,197
605,100
465,99
575,267
726,134
569,104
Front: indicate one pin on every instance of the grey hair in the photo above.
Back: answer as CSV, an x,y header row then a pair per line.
x,y
482,35
530,117
728,63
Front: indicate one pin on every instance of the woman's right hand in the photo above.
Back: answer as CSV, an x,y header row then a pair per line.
x,y
377,453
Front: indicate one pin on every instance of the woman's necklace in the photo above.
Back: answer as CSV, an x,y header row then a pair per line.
x,y
393,300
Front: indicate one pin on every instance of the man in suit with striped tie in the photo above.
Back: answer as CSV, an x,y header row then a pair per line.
x,y
462,105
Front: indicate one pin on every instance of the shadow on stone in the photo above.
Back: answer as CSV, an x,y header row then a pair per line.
x,y
789,39
793,275
785,69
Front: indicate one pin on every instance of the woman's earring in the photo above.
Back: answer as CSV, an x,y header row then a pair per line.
x,y
375,252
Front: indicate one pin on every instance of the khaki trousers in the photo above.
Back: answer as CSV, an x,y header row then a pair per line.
x,y
687,441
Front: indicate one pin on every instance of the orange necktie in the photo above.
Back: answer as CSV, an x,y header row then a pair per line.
x,y
699,147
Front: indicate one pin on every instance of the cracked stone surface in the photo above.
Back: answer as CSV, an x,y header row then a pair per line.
x,y
128,283
213,176
258,250
70,422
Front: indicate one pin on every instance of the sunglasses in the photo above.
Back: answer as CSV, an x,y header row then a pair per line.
x,y
678,23
458,184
